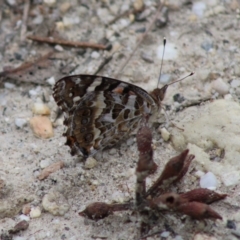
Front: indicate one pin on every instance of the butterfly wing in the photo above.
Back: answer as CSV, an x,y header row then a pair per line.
x,y
99,111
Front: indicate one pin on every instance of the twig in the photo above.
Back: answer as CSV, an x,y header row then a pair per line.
x,y
104,62
66,42
192,103
24,68
140,41
24,19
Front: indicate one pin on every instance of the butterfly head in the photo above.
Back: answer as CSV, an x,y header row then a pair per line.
x,y
159,93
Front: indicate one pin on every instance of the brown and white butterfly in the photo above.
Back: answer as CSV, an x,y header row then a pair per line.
x,y
101,111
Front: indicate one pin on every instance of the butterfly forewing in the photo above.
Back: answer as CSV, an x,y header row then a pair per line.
x,y
100,111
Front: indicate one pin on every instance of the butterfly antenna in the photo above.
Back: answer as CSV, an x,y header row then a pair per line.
x,y
164,44
181,79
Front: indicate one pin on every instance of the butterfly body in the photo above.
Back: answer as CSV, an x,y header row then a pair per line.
x,y
101,111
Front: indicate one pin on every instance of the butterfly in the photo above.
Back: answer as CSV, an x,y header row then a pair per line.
x,y
101,111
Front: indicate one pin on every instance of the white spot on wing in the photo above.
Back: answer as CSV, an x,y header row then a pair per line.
x,y
75,99
96,82
77,80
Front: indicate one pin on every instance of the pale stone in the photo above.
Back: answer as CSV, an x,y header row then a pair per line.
x,y
20,122
41,109
41,126
35,212
165,134
220,86
90,163
55,203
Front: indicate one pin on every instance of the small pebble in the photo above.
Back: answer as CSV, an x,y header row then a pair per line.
x,y
20,122
112,151
50,3
41,126
178,98
209,181
23,217
220,86
203,74
64,7
26,209
95,55
51,81
198,8
55,203
41,109
90,163
147,57
207,45
44,163
8,85
235,83
35,212
21,226
50,169
165,134
138,5
231,224
165,234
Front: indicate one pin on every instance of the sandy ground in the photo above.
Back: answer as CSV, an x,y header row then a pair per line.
x,y
207,45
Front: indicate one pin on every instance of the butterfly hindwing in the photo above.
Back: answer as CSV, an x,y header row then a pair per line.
x,y
99,111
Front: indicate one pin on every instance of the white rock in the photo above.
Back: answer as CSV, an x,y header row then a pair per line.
x,y
40,109
199,173
59,48
213,125
44,163
171,52
95,55
20,122
235,83
55,203
198,8
33,92
9,85
165,234
50,3
165,134
35,212
90,163
51,80
220,86
23,217
209,181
